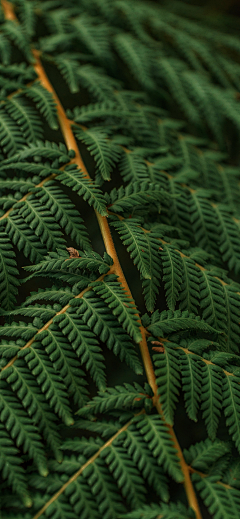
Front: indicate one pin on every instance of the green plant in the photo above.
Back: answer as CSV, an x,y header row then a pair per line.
x,y
149,99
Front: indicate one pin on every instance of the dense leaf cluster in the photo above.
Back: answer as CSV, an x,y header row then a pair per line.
x,y
71,443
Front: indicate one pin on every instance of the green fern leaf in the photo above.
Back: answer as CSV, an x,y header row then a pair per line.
x,y
5,50
87,260
80,497
10,135
20,427
134,195
189,291
44,103
153,511
167,379
65,363
112,292
145,461
204,454
69,70
124,471
137,57
51,384
26,117
115,398
24,384
133,167
105,490
100,319
75,179
211,396
172,274
144,250
168,322
21,236
154,431
8,274
84,342
212,300
220,501
105,153
191,382
231,406
64,212
99,84
49,150
15,33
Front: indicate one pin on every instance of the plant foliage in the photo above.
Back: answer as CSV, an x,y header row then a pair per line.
x,y
119,126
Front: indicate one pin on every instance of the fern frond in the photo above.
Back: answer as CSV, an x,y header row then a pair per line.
x,y
211,396
121,69
26,117
134,195
137,57
19,425
172,274
21,236
231,406
133,167
113,293
69,70
104,490
190,290
105,153
127,477
220,501
49,150
84,342
10,465
204,454
64,212
11,137
24,384
115,398
167,379
44,102
154,432
39,218
97,82
103,322
65,362
168,322
75,179
144,250
8,273
48,380
15,33
153,511
145,462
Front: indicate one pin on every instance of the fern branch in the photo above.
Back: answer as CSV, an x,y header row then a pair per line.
x,y
84,466
47,325
4,216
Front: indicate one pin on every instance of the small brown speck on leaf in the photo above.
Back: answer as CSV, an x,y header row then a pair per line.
x,y
159,346
73,253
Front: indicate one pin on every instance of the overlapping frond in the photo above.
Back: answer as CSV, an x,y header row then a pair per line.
x,y
170,190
